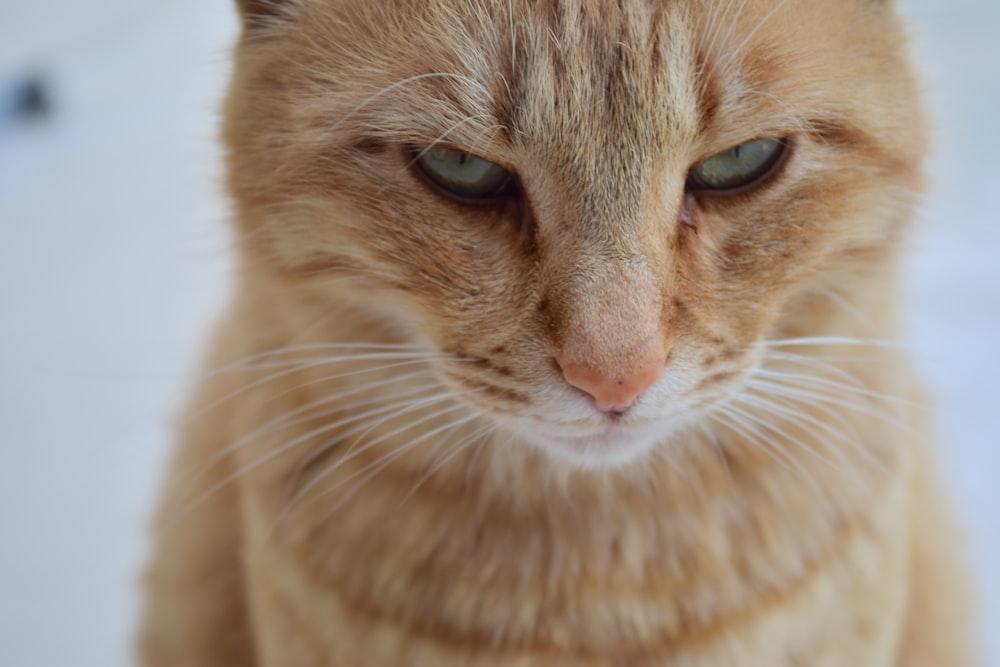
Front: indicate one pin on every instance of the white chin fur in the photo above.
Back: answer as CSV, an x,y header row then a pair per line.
x,y
614,446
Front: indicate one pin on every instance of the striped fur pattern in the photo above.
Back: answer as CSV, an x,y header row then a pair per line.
x,y
385,463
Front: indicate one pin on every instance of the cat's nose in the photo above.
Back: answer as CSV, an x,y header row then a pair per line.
x,y
614,388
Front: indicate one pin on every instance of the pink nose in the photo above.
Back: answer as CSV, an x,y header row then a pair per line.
x,y
615,389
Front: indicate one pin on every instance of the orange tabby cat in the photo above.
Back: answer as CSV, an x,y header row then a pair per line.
x,y
560,340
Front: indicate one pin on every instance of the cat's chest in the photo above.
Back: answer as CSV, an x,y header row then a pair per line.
x,y
439,583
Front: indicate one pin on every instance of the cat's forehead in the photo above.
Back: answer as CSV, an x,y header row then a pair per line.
x,y
587,83
583,69
616,74
564,57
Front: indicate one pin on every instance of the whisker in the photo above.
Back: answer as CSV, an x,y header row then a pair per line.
x,y
801,379
476,437
733,54
295,417
791,410
827,410
769,386
352,452
710,435
831,340
331,359
779,431
408,80
314,347
307,365
287,446
733,22
361,425
850,309
370,470
444,134
821,362
751,433
289,418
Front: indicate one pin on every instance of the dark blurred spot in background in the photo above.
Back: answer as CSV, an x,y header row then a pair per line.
x,y
26,99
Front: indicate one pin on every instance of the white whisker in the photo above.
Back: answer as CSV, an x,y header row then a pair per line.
x,y
837,388
271,454
769,386
408,80
473,439
733,54
779,431
372,469
751,433
299,416
362,425
831,340
305,365
352,452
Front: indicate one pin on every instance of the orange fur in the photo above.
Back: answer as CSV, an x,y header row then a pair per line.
x,y
390,468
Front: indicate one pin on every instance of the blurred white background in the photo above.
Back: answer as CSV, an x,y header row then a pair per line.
x,y
114,258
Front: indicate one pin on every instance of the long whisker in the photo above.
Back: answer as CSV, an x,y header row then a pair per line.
x,y
305,365
708,434
850,309
831,340
287,446
353,452
475,438
733,54
362,425
835,388
821,431
751,433
395,453
408,80
370,470
823,363
733,22
827,410
302,414
247,362
779,431
772,387
790,409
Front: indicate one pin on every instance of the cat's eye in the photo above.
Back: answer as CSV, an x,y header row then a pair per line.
x,y
463,175
738,168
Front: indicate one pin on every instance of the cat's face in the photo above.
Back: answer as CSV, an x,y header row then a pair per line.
x,y
596,209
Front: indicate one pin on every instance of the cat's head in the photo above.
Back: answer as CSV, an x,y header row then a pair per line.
x,y
595,209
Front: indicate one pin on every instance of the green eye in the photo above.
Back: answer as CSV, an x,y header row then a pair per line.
x,y
739,167
463,175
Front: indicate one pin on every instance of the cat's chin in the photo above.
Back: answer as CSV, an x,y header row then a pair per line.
x,y
608,447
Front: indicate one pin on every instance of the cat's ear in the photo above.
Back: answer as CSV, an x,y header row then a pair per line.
x,y
261,12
